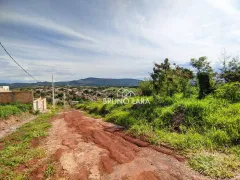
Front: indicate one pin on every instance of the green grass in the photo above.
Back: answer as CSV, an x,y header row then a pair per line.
x,y
13,109
215,165
18,149
211,125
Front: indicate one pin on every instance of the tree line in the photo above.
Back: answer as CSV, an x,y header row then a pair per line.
x,y
168,79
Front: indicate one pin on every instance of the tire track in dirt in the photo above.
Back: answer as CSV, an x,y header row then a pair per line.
x,y
88,148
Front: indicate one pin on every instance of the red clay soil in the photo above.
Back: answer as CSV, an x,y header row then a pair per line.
x,y
89,148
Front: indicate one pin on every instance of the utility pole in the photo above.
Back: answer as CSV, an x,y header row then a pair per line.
x,y
67,89
68,92
53,101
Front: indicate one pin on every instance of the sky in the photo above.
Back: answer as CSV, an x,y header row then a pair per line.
x,y
76,39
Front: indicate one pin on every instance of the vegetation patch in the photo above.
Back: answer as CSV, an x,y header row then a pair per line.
x,y
50,170
13,109
17,148
215,165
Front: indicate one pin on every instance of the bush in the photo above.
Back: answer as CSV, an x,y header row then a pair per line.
x,y
227,119
6,111
165,117
121,118
23,107
229,91
194,112
219,137
13,109
165,101
146,87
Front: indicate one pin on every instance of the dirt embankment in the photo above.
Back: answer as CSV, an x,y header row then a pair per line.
x,y
10,125
88,148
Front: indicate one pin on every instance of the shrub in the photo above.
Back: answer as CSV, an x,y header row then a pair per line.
x,y
121,117
166,116
165,101
13,109
229,91
23,107
227,119
194,112
146,87
219,137
6,111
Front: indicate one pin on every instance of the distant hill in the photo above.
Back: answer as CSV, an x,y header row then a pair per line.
x,y
81,82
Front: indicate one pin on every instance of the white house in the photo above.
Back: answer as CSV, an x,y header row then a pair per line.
x,y
4,88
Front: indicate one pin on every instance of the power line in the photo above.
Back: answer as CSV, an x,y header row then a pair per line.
x,y
18,63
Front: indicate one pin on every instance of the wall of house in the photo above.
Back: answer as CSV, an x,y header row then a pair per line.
x,y
4,88
10,97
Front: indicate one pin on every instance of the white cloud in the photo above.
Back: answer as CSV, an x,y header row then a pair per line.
x,y
137,33
226,6
43,23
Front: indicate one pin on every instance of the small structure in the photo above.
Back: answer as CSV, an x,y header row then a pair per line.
x,y
40,104
4,89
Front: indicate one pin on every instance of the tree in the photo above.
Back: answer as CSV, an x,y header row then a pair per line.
x,y
224,59
204,75
168,80
201,64
183,76
161,77
231,71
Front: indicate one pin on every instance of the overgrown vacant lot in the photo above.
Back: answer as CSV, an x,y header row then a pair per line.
x,y
207,131
13,109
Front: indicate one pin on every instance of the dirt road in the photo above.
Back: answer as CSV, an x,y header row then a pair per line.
x,y
88,148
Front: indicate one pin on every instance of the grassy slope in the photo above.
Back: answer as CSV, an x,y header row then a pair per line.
x,y
208,131
17,149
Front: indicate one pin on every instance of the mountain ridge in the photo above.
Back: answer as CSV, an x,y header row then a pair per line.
x,y
90,81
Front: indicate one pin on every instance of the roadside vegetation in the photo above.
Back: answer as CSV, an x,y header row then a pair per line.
x,y
7,110
17,150
196,113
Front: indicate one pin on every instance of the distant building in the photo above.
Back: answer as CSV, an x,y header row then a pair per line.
x,y
4,89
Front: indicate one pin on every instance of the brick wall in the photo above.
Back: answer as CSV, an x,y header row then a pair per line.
x,y
22,97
